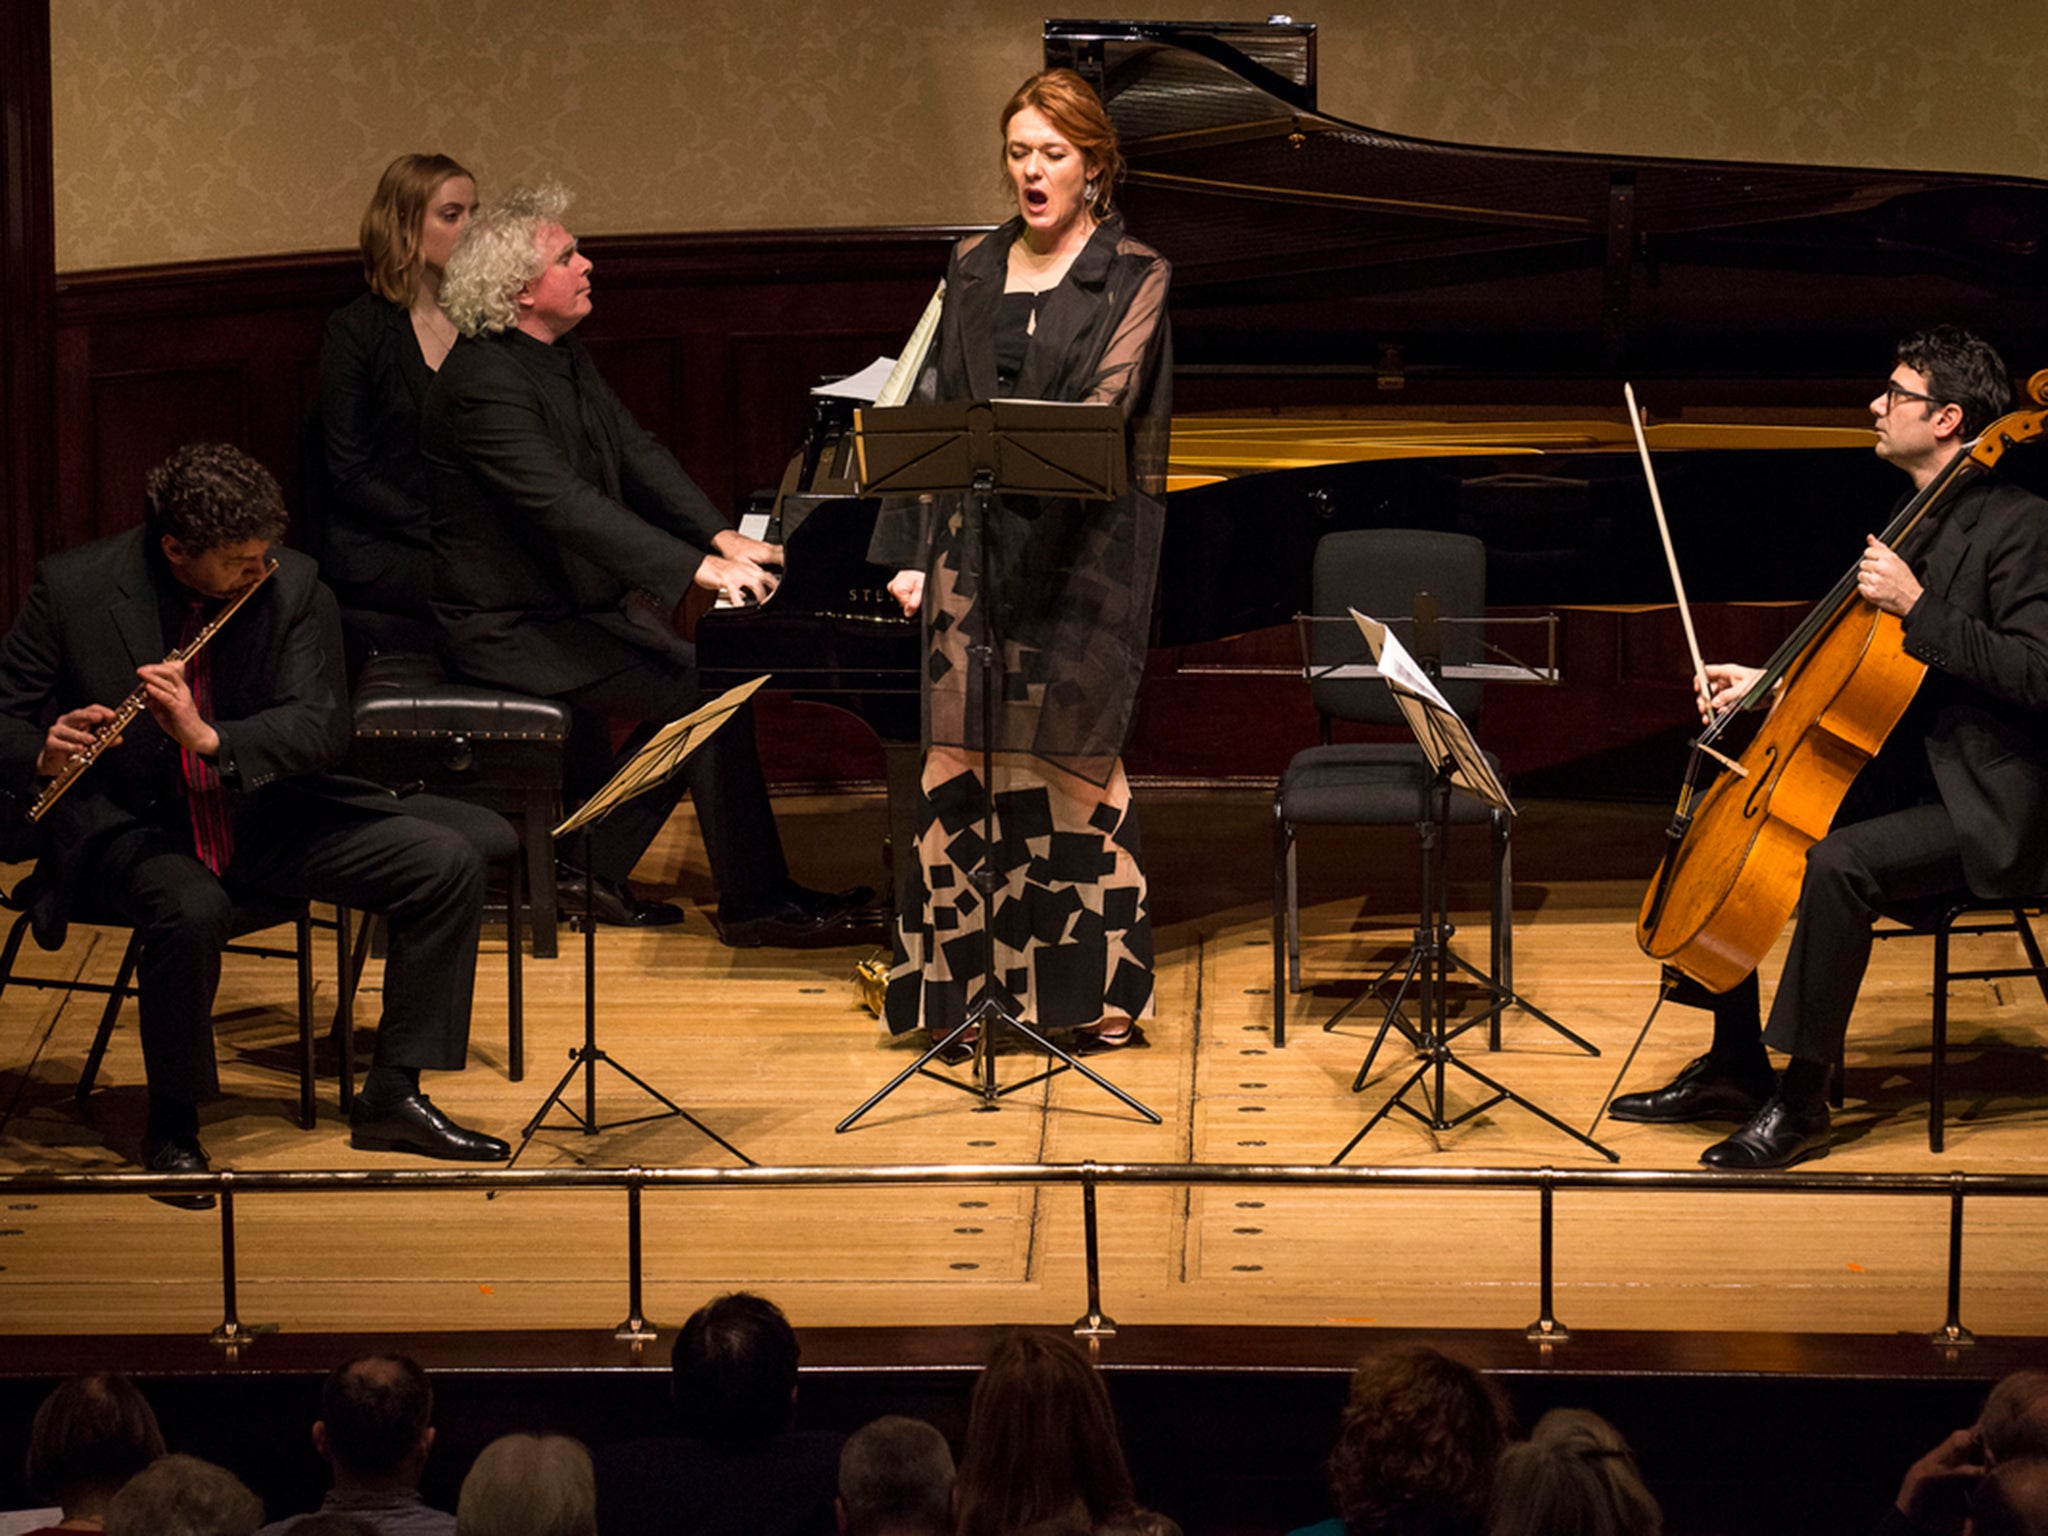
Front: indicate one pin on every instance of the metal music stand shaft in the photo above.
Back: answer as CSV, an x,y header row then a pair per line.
x,y
659,760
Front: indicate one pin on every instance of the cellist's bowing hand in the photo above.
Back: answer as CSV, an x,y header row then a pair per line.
x,y
1726,684
1885,580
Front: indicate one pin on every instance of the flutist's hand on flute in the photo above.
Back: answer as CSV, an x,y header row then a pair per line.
x,y
72,734
169,701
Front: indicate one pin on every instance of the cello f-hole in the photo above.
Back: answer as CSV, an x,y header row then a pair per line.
x,y
1753,805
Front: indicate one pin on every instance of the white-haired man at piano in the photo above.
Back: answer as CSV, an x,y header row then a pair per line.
x,y
218,790
565,542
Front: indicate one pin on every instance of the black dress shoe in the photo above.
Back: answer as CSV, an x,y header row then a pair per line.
x,y
1089,1042
412,1124
798,918
609,901
1704,1090
1777,1136
177,1154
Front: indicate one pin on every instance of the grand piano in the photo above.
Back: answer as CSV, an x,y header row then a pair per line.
x,y
1378,330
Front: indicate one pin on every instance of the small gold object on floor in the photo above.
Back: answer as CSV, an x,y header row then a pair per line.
x,y
871,981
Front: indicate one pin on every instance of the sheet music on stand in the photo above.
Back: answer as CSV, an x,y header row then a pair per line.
x,y
1437,726
1456,762
662,755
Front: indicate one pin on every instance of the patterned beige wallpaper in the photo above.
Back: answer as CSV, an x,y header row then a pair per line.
x,y
187,129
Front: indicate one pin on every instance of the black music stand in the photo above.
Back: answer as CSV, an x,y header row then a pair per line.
x,y
983,449
654,763
1456,761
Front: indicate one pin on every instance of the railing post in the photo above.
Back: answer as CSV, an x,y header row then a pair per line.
x,y
1546,1329
230,1331
635,1328
1093,1324
1953,1331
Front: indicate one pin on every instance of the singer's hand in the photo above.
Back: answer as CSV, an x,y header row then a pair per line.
x,y
169,702
907,587
72,734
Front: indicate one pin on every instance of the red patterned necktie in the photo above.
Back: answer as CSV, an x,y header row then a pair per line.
x,y
213,835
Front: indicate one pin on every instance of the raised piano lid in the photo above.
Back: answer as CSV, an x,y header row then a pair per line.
x,y
1359,264
1211,449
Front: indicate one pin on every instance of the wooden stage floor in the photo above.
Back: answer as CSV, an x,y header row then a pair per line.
x,y
771,1049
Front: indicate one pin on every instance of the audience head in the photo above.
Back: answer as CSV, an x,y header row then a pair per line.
x,y
183,1496
211,496
896,1479
2011,1499
499,254
2015,1417
375,1420
1041,1441
89,1437
1574,1476
415,217
1416,1449
735,1371
529,1485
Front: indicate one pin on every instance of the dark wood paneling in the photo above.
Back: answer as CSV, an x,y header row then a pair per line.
x,y
140,419
147,358
28,476
762,440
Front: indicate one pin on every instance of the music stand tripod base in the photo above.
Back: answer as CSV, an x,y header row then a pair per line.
x,y
1447,744
1429,964
657,761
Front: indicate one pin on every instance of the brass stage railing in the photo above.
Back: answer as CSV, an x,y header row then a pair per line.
x,y
1956,1188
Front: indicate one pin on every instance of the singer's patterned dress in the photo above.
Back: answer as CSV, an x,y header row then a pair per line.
x,y
1069,596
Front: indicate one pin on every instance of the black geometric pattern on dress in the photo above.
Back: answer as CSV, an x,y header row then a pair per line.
x,y
1073,940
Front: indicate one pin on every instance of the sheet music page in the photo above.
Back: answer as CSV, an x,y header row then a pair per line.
x,y
864,386
1399,668
1438,729
662,755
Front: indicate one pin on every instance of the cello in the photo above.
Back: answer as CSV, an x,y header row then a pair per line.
x,y
1735,854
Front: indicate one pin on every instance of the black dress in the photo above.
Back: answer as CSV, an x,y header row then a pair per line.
x,y
372,490
1068,596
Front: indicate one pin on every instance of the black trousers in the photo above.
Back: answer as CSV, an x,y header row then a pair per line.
x,y
427,879
1893,842
723,778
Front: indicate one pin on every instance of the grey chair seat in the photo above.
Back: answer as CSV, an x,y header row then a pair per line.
x,y
1374,783
1381,572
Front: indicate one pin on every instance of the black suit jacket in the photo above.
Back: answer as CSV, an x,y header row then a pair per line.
x,y
1981,626
376,491
93,617
534,557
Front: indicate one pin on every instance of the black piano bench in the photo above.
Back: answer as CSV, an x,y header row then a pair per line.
x,y
415,728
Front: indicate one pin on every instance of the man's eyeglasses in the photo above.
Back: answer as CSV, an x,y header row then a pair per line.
x,y
1894,393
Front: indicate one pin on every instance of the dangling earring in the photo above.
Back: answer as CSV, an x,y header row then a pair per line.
x,y
1091,191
